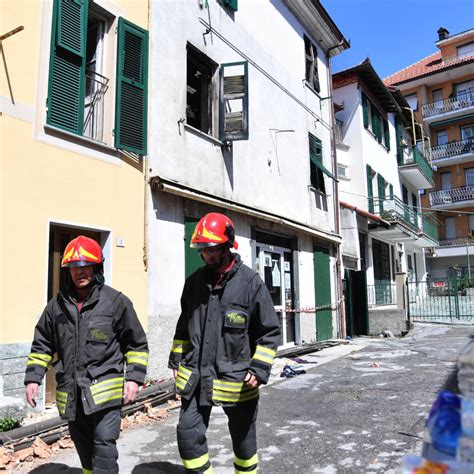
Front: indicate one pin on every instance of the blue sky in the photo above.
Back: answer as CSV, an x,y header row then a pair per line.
x,y
395,33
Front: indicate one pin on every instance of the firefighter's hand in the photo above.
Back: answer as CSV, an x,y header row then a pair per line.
x,y
31,394
251,381
175,373
130,392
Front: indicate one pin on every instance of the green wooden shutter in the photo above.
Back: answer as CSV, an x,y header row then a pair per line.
x,y
322,289
132,88
381,191
398,138
192,258
234,90
365,110
232,4
386,134
391,191
370,188
67,65
376,128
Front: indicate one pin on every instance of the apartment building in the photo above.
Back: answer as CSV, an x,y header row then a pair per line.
x,y
381,172
440,90
73,93
241,123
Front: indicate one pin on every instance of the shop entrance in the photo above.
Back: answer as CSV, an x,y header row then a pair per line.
x,y
275,266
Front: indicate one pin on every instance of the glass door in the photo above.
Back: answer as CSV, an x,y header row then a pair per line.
x,y
274,265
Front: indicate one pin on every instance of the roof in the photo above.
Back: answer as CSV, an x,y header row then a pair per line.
x,y
430,65
367,74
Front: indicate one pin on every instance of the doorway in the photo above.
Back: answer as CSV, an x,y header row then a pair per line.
x,y
275,266
59,237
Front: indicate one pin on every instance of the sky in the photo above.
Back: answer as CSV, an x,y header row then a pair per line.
x,y
395,33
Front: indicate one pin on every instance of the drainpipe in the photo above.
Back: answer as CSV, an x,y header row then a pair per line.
x,y
340,305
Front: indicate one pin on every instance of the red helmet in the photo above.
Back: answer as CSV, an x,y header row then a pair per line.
x,y
214,229
82,251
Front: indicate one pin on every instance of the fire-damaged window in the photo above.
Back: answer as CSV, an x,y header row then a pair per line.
x,y
311,54
200,70
202,96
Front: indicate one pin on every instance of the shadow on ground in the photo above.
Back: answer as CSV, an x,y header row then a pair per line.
x,y
158,468
54,467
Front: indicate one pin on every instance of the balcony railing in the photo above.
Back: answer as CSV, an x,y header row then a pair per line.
x,y
414,156
395,209
459,242
452,196
381,294
96,87
462,101
453,149
429,226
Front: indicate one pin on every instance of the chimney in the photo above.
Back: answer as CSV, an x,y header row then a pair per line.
x,y
443,33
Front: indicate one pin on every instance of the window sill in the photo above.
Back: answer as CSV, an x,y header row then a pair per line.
x,y
317,191
311,88
201,134
80,140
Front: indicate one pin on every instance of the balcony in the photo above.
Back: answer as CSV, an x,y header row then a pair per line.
x,y
406,225
448,109
458,247
452,198
414,167
453,153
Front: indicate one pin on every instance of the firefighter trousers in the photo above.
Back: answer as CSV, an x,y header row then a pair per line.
x,y
192,442
95,437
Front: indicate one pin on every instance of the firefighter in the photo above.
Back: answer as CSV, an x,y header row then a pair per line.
x,y
225,341
89,330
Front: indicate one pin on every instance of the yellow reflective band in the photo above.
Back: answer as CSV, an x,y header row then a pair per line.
x,y
180,346
107,396
137,358
184,372
253,471
180,384
61,396
86,471
246,462
234,397
115,386
231,386
98,387
196,463
208,235
39,359
209,470
266,350
265,355
267,360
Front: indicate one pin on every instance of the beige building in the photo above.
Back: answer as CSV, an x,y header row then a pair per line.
x,y
73,93
440,89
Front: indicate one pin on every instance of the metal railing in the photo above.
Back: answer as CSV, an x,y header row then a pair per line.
x,y
413,155
394,209
96,87
382,294
450,196
457,242
429,226
453,149
461,101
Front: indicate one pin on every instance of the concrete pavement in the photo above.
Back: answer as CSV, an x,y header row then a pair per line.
x,y
359,408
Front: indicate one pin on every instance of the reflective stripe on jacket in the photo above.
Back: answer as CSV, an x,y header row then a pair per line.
x,y
91,346
222,333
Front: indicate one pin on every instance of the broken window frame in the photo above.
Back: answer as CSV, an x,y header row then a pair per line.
x,y
311,64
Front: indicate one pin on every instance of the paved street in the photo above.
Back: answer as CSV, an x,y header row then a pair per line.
x,y
359,408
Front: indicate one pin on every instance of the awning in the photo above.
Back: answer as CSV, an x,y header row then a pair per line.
x,y
184,191
372,217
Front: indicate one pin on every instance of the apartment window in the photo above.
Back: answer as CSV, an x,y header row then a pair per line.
x,y
201,87
78,86
311,55
438,96
446,180
442,137
467,132
471,224
466,50
414,202
450,227
469,175
375,122
412,100
342,171
370,188
199,105
316,164
464,88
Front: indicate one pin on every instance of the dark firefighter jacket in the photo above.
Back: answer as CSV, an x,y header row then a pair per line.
x,y
222,333
91,346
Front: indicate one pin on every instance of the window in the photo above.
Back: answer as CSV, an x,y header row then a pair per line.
x,y
342,171
78,87
442,137
311,55
466,50
467,132
438,97
375,122
471,223
450,227
446,180
316,164
412,100
469,175
201,87
463,89
381,184
370,188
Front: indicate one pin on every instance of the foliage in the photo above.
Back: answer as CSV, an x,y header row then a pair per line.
x,y
8,423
